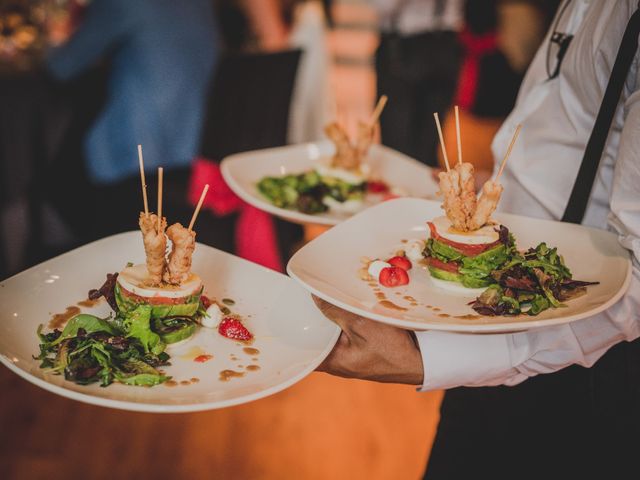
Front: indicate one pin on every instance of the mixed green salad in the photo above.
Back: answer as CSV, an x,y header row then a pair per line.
x,y
516,282
127,347
530,283
306,192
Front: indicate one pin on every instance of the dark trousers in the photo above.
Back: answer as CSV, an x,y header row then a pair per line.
x,y
581,423
419,74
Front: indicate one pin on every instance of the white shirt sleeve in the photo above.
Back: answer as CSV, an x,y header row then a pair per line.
x,y
452,360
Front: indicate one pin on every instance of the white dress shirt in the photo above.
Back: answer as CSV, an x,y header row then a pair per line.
x,y
557,117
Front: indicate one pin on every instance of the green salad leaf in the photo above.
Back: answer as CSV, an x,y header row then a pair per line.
x,y
137,324
88,323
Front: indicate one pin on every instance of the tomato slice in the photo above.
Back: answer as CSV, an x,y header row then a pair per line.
x,y
206,302
464,248
377,186
155,300
393,277
401,262
452,267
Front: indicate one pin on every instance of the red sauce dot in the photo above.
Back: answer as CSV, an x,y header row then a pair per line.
x,y
202,358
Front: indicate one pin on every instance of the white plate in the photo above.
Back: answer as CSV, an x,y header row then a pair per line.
x,y
243,171
292,335
329,267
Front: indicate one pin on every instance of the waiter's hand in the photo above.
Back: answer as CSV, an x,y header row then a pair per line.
x,y
370,350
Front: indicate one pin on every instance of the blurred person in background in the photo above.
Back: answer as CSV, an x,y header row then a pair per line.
x,y
160,56
417,65
275,25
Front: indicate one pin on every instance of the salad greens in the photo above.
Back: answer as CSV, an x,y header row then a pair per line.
x,y
127,347
86,352
305,192
529,283
517,283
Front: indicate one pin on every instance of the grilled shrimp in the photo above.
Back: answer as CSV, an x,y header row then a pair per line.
x,y
452,204
155,245
184,243
468,198
345,156
487,203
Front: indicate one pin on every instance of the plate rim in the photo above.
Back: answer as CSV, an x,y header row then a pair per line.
x,y
165,408
456,328
292,216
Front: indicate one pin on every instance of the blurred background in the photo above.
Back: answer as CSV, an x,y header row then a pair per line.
x,y
82,82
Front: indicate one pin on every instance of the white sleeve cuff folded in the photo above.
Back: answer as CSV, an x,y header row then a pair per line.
x,y
453,359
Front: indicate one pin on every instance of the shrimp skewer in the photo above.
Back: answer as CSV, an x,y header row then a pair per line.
x,y
468,197
184,243
487,204
155,245
345,156
452,205
364,140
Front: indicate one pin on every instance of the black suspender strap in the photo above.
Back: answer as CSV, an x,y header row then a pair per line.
x,y
583,185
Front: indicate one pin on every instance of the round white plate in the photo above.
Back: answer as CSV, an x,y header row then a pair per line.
x,y
292,336
243,171
330,265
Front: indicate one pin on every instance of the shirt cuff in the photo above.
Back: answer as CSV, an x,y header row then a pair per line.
x,y
454,359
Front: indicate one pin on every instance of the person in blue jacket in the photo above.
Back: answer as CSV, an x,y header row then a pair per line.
x,y
161,56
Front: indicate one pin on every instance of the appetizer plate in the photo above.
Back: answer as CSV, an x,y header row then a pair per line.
x,y
331,267
243,171
291,336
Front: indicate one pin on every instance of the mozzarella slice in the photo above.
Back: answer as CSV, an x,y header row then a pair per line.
x,y
376,267
214,318
414,249
133,279
486,234
349,206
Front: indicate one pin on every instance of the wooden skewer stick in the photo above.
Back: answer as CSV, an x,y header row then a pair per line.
x,y
160,170
444,150
197,210
458,135
504,161
378,110
143,181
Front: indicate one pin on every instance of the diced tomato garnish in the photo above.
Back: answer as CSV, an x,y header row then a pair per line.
x,y
377,186
206,302
401,262
452,267
393,277
203,358
464,248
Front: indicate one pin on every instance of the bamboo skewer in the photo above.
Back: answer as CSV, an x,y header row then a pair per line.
x,y
506,156
197,210
378,110
160,170
143,181
444,150
458,137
